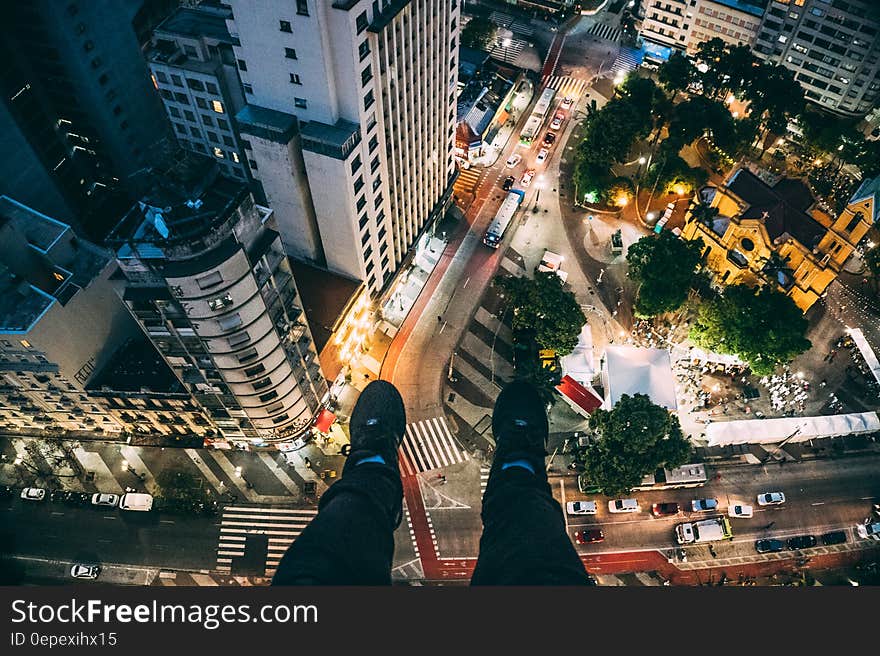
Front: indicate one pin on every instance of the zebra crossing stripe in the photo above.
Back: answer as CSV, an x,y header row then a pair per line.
x,y
429,445
282,525
605,31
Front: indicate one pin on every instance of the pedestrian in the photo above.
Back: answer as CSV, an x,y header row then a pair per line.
x,y
439,319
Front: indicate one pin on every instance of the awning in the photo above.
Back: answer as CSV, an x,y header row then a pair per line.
x,y
583,400
324,420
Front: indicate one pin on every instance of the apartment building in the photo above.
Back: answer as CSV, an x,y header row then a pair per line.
x,y
832,47
350,124
204,273
193,68
685,24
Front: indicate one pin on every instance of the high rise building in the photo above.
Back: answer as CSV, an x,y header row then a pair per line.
x,y
193,67
685,24
206,277
831,46
350,123
86,63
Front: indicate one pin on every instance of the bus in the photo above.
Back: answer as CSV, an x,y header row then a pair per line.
x,y
536,119
693,475
495,232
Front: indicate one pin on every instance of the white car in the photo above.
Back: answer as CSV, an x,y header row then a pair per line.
x,y
85,571
740,510
33,494
581,508
869,531
542,155
513,160
567,101
527,178
623,506
771,498
111,500
557,121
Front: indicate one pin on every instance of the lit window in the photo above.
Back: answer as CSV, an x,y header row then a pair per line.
x,y
234,156
25,343
218,153
220,302
217,106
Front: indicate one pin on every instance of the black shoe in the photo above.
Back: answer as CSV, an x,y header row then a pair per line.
x,y
519,424
378,422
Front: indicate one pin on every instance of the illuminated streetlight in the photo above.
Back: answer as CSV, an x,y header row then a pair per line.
x,y
124,465
622,200
651,216
679,189
642,160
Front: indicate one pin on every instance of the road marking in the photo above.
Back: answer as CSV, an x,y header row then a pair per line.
x,y
55,512
109,517
818,503
464,286
166,521
865,498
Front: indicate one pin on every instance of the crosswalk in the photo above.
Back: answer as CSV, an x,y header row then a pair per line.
x,y
281,525
484,479
571,87
428,445
508,50
467,180
509,22
627,60
605,31
633,579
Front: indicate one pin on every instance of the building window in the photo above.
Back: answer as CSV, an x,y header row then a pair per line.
x,y
228,140
262,384
212,136
212,88
207,120
359,184
366,75
290,53
195,132
268,396
361,22
300,102
284,26
238,339
374,164
218,153
195,84
247,356
364,49
376,183
294,79
202,104
256,369
360,203
355,164
280,418
230,322
220,302
176,80
857,218
180,128
234,156
222,124
369,99
248,89
362,222
25,343
189,115
174,111
374,141
242,65
217,106
302,7
253,165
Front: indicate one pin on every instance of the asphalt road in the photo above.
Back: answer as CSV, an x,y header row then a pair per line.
x,y
820,496
55,531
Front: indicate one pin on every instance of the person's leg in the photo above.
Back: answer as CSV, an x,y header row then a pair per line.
x,y
524,540
351,541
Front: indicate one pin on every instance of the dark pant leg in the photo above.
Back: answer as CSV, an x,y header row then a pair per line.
x,y
351,539
524,540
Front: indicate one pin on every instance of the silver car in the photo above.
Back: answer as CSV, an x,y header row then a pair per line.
x,y
110,500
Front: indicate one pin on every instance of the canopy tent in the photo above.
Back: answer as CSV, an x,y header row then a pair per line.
x,y
579,363
632,370
693,354
867,352
583,399
790,429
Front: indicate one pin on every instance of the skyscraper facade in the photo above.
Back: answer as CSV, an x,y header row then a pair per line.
x,y
350,123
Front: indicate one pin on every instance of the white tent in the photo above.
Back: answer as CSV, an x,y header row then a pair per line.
x,y
790,429
867,352
632,370
693,353
579,363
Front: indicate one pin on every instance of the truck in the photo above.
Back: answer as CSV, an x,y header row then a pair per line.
x,y
707,530
136,501
552,262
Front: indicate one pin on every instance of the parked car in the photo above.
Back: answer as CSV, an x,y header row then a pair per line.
x,y
589,536
549,139
704,505
623,506
85,571
508,183
740,510
33,494
513,160
110,500
665,509
557,121
567,102
542,156
871,531
834,537
769,545
527,178
771,498
581,508
802,542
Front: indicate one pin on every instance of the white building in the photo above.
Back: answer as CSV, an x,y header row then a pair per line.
x,y
685,24
193,68
350,123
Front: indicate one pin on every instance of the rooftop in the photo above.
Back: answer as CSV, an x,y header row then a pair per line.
x,y
134,367
21,304
333,140
267,123
753,7
869,188
205,21
782,207
41,231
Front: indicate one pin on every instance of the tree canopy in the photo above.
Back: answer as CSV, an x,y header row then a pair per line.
x,y
761,326
635,438
545,309
478,33
663,267
676,73
872,260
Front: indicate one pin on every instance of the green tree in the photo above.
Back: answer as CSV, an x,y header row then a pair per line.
x,y
761,326
872,261
676,74
478,33
704,214
663,268
635,438
543,307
